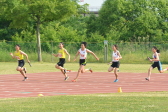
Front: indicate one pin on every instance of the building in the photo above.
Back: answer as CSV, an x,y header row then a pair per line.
x,y
94,5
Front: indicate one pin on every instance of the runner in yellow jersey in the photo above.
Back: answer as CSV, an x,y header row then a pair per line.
x,y
62,55
19,55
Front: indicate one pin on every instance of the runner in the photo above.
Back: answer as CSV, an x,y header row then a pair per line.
x,y
82,62
62,55
19,55
156,63
115,62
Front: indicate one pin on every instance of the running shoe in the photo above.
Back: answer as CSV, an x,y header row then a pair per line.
x,y
116,80
66,78
74,80
25,78
90,70
147,79
68,70
24,69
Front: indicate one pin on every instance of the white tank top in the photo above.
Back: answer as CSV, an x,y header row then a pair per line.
x,y
83,54
115,55
154,57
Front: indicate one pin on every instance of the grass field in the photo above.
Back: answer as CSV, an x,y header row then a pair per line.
x,y
9,67
114,102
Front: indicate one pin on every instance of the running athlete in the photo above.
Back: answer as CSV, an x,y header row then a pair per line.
x,y
82,62
156,63
19,55
115,62
62,55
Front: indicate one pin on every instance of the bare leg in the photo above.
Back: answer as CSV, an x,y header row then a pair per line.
x,y
161,71
149,72
83,70
20,69
110,69
59,67
62,70
80,70
64,73
23,73
115,72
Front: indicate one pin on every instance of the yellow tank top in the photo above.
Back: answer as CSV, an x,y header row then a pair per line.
x,y
61,53
19,55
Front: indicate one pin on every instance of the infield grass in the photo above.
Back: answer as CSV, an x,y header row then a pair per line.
x,y
9,67
114,102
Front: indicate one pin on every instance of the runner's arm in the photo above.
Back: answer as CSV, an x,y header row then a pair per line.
x,y
89,51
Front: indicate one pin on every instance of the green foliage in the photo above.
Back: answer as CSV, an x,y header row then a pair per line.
x,y
38,11
21,12
131,20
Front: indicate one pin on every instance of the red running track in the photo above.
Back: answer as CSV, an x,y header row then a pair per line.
x,y
50,84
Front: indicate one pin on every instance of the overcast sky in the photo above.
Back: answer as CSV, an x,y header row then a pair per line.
x,y
94,3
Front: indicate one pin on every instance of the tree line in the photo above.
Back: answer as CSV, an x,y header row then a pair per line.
x,y
63,20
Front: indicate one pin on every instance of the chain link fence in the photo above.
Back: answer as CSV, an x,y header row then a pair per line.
x,y
131,52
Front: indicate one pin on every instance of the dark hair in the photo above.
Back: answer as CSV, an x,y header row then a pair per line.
x,y
84,43
157,50
62,43
18,45
115,46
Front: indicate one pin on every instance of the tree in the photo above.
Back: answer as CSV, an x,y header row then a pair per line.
x,y
22,12
133,20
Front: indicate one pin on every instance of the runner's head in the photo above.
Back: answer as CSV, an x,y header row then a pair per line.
x,y
83,45
61,45
17,47
154,49
115,47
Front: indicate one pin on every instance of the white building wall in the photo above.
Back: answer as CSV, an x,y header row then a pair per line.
x,y
94,5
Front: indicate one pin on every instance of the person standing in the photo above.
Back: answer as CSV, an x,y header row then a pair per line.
x,y
19,55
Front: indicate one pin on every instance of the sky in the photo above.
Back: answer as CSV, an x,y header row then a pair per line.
x,y
94,3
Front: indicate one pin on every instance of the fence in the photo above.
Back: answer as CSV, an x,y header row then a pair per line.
x,y
131,52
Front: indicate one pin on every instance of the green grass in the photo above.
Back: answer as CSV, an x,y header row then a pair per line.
x,y
115,102
9,67
127,58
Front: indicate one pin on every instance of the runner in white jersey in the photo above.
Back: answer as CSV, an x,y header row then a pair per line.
x,y
83,53
156,63
82,61
115,62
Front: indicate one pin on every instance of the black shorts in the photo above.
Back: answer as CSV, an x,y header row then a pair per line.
x,y
21,63
61,62
82,62
115,64
158,65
